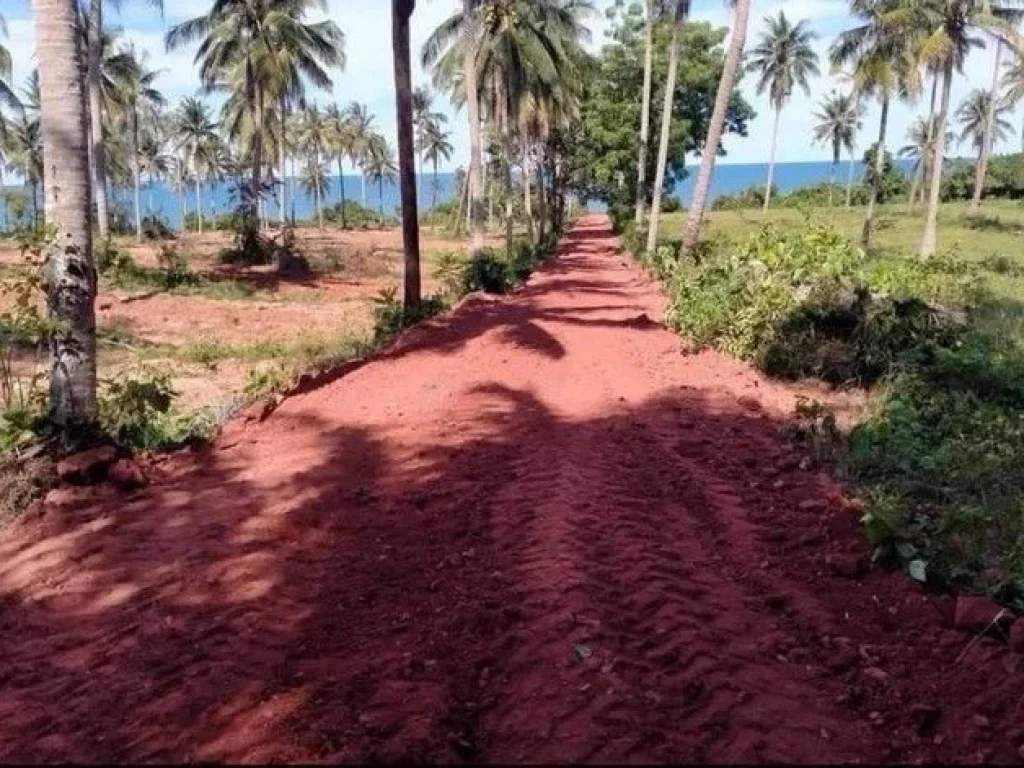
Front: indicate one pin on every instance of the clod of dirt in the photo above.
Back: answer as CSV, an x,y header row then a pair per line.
x,y
88,466
127,475
875,675
1017,636
978,614
925,717
750,403
852,566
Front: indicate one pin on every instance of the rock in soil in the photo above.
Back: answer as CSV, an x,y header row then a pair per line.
x,y
88,466
851,566
1017,636
127,475
978,614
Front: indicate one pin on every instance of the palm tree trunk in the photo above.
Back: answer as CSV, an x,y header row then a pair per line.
x,y
181,207
476,165
282,162
463,195
257,150
362,182
919,173
726,85
199,200
341,189
401,10
849,178
666,122
319,205
771,162
865,235
380,200
930,236
98,152
135,175
71,273
645,114
527,196
832,175
990,130
542,204
433,192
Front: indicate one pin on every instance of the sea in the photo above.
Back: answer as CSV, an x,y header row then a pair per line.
x,y
158,199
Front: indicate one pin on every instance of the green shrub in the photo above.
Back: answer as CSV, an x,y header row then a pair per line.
x,y
449,271
135,410
488,271
391,316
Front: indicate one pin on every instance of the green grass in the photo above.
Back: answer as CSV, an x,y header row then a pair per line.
x,y
303,351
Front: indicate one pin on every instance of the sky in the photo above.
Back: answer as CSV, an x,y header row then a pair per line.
x,y
368,77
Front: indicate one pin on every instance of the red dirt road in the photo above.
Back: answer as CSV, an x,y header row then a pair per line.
x,y
530,531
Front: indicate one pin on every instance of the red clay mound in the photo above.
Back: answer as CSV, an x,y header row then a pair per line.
x,y
532,531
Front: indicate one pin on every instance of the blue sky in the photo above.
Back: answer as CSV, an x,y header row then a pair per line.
x,y
368,76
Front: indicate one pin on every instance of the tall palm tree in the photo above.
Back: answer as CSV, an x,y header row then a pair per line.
x,y
678,19
380,166
196,132
314,139
340,144
457,38
1013,83
885,66
920,147
401,12
7,99
982,119
260,51
645,110
361,121
949,30
783,59
836,127
435,146
71,276
135,92
712,144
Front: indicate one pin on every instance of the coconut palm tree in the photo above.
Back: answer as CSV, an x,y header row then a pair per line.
x,y
920,148
314,138
314,181
836,128
7,95
783,60
645,110
682,8
982,119
435,146
949,30
401,12
340,144
259,51
71,278
1013,83
884,66
196,133
361,122
380,166
135,92
712,144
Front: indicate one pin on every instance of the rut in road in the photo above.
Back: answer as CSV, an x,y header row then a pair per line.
x,y
533,530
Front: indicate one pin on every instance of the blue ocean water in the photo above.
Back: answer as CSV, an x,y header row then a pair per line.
x,y
160,200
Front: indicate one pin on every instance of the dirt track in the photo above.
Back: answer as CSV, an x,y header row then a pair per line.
x,y
530,531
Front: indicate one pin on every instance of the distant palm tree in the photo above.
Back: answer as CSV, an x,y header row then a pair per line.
x,y
884,66
837,126
340,144
1013,83
379,165
712,145
314,181
71,278
920,147
8,99
362,129
783,59
435,146
314,139
195,131
982,119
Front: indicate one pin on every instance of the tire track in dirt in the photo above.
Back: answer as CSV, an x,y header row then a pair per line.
x,y
531,530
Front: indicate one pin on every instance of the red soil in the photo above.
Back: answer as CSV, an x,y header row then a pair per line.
x,y
530,531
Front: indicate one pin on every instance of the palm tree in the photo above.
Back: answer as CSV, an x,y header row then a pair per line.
x,y
361,121
457,39
259,51
196,131
982,120
920,148
340,144
379,166
314,138
7,98
783,59
884,66
134,93
71,278
726,85
837,125
678,19
314,181
645,110
948,29
1013,83
435,145
401,11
